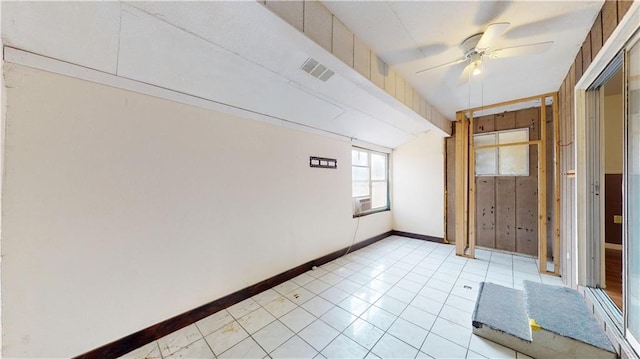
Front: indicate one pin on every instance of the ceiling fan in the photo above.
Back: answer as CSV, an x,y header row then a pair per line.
x,y
478,47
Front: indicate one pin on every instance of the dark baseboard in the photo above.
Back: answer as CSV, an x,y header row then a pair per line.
x,y
417,236
154,332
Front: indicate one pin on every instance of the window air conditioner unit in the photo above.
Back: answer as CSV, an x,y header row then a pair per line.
x,y
362,204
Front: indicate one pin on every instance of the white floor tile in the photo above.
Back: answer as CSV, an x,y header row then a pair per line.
x,y
438,347
265,297
294,348
401,294
331,278
297,319
226,337
198,349
354,305
348,286
490,349
473,355
338,318
247,348
379,317
391,305
303,279
334,295
343,347
149,351
359,278
179,339
368,295
379,286
439,285
461,303
318,334
272,336
408,332
456,315
280,307
256,320
317,286
286,287
451,331
434,294
300,295
317,306
363,333
391,347
428,305
418,317
243,308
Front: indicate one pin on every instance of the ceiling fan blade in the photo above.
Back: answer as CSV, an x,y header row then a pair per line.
x,y
491,34
464,76
523,50
455,62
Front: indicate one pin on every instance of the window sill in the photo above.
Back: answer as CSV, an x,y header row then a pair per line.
x,y
371,212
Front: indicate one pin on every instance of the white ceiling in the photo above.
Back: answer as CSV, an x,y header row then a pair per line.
x,y
414,35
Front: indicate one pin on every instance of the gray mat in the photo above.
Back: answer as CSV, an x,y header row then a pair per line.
x,y
503,309
563,311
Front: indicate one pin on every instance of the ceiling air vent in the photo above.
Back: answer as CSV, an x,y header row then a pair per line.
x,y
317,70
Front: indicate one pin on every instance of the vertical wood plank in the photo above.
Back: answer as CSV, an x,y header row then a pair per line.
x,y
596,35
485,211
484,124
472,191
390,81
361,58
506,213
505,121
587,56
378,71
623,7
460,187
578,64
451,188
609,14
342,42
556,185
400,88
318,23
290,11
542,190
527,214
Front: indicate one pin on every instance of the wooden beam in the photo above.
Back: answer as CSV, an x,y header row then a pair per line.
x,y
460,189
472,192
556,183
507,103
446,191
542,190
509,144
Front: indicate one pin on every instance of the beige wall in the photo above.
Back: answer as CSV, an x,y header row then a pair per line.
x,y
121,210
613,139
418,186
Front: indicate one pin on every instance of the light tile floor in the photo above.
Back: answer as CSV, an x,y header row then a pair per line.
x,y
397,298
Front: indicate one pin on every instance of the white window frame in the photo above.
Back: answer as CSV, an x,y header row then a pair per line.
x,y
370,181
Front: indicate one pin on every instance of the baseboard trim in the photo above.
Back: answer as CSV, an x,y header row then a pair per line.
x,y
130,342
418,236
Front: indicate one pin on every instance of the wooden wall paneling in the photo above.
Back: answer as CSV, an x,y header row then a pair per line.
x,y
549,179
451,188
318,23
390,81
506,213
408,95
290,11
529,118
596,35
484,124
578,64
623,7
342,42
505,121
361,58
485,211
612,207
400,88
527,214
609,14
587,56
416,102
378,71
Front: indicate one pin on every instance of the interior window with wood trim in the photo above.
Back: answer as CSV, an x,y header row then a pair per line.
x,y
370,181
495,160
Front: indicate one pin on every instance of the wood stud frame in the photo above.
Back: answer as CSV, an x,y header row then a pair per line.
x,y
465,191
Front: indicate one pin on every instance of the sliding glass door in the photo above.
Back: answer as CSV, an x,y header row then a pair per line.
x,y
632,243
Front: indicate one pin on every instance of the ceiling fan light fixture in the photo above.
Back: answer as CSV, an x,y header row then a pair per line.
x,y
476,70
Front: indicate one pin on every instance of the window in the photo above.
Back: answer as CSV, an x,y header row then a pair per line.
x,y
370,185
502,161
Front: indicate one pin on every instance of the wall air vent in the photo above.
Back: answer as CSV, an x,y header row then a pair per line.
x,y
317,70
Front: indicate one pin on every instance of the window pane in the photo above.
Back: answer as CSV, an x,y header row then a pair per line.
x,y
486,162
360,173
514,160
484,139
359,158
379,196
378,167
514,136
360,189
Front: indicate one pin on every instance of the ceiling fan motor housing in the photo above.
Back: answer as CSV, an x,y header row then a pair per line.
x,y
469,44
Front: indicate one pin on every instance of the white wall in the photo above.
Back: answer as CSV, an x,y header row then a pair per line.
x,y
121,210
613,118
418,186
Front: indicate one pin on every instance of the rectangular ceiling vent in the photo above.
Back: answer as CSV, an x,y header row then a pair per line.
x,y
317,70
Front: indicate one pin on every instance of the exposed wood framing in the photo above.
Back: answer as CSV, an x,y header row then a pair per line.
x,y
446,190
465,189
